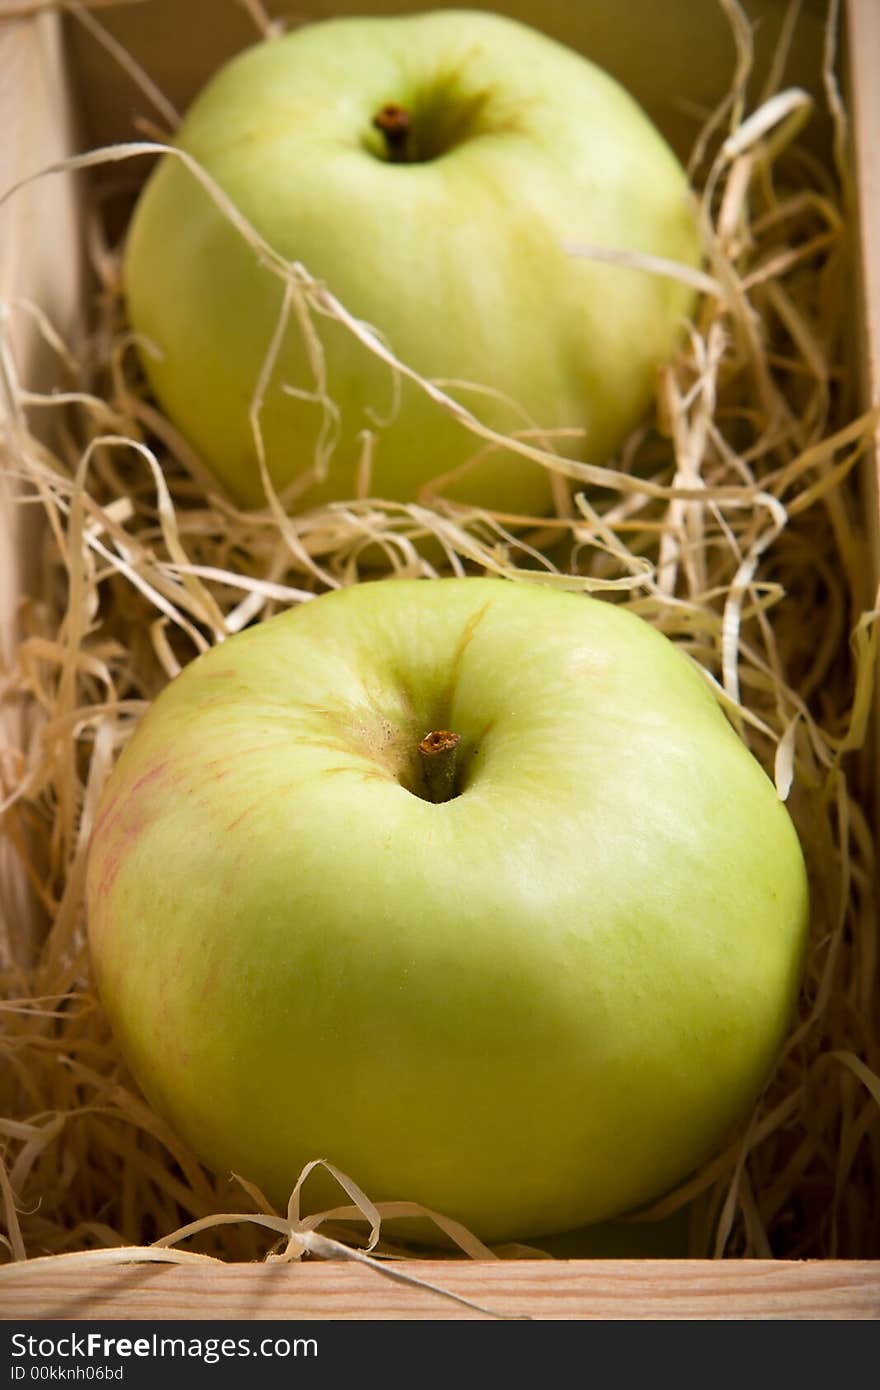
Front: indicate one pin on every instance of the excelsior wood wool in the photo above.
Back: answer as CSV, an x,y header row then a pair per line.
x,y
685,53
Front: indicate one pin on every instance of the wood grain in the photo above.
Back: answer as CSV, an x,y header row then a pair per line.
x,y
565,1289
863,101
863,18
40,263
863,32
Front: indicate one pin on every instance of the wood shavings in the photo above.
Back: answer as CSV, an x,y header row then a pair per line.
x,y
731,520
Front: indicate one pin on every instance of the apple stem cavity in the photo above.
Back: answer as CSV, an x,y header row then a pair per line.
x,y
439,756
395,123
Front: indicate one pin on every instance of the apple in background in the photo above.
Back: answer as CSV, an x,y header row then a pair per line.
x,y
530,975
429,170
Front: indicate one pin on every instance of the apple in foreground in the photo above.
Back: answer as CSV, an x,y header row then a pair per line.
x,y
465,885
430,170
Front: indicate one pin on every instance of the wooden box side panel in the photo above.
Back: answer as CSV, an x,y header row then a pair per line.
x,y
40,264
179,46
864,46
533,1289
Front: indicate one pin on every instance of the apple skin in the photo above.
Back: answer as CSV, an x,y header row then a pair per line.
x,y
533,1006
458,261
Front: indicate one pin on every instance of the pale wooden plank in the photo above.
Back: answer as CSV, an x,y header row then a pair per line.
x,y
40,243
863,46
544,1290
863,23
40,262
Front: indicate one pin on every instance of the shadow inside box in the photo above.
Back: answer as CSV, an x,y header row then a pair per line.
x,y
623,1239
620,1239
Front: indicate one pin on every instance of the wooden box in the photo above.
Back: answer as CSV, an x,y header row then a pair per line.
x,y
64,88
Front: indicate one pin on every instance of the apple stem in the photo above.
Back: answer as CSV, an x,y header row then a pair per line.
x,y
395,124
439,754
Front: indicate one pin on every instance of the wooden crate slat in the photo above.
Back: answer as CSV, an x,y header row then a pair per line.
x,y
565,1289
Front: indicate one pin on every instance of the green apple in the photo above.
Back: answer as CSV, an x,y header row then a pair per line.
x,y
531,994
429,170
